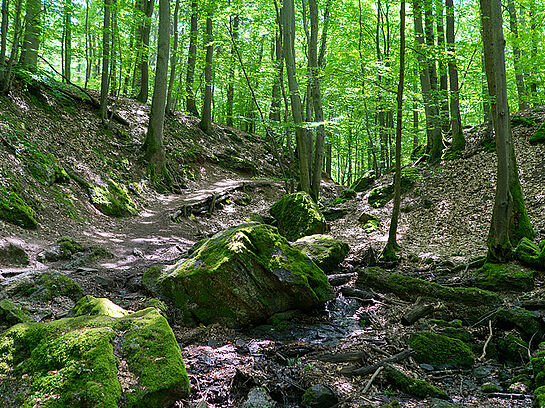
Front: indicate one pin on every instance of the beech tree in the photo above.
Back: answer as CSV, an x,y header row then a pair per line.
x,y
191,106
205,123
105,77
31,40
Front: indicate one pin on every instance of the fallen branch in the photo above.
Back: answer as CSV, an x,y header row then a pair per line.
x,y
420,309
368,385
487,341
369,369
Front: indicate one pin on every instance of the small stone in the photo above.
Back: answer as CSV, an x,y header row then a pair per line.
x,y
488,388
427,367
319,396
259,398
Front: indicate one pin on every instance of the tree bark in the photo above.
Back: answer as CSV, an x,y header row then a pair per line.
x,y
67,39
4,35
146,7
190,104
277,59
33,29
153,145
173,60
443,70
206,119
231,85
87,46
519,78
104,83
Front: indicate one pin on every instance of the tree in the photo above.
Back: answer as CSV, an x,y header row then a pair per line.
x,y
31,41
173,60
513,25
391,246
146,8
191,106
230,87
153,145
67,39
105,78
510,220
206,118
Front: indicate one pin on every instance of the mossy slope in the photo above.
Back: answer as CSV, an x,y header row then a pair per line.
x,y
240,276
79,362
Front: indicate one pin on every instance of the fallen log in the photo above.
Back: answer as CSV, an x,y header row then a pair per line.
x,y
341,357
373,367
353,293
340,279
420,309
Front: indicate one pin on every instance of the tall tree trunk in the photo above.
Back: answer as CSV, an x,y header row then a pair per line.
x,y
513,25
5,80
533,27
443,70
191,106
391,245
88,59
173,60
509,218
104,83
458,140
4,36
114,35
33,29
416,141
276,99
144,33
301,134
231,85
67,39
206,119
153,145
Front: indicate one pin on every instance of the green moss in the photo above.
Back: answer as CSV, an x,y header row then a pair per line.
x,y
240,276
538,136
520,226
530,253
113,200
539,397
233,162
12,313
488,388
345,195
89,305
441,351
418,152
379,196
457,333
42,166
68,247
297,215
326,251
73,363
15,210
412,386
525,321
504,277
518,120
368,222
512,349
488,143
46,286
362,183
332,214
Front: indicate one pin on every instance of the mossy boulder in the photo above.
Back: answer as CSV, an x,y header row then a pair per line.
x,y
241,276
518,120
363,183
16,211
63,249
326,251
512,349
233,162
379,196
411,288
297,215
530,253
92,361
441,351
12,255
525,321
44,167
368,222
92,306
319,396
112,199
538,136
345,195
44,286
504,277
410,385
12,313
334,213
489,387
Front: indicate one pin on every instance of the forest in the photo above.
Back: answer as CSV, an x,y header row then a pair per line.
x,y
272,204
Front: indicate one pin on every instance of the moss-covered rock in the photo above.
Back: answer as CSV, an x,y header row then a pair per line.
x,y
92,361
538,136
241,276
16,211
345,195
12,255
410,385
504,277
525,321
334,213
112,200
43,167
440,351
363,183
235,163
297,215
530,253
379,196
518,120
63,249
326,251
412,288
537,364
45,286
12,313
512,349
319,396
368,222
489,387
92,306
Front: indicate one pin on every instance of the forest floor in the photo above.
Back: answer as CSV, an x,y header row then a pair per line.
x,y
224,364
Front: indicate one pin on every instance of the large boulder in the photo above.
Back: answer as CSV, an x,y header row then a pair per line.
x,y
504,277
362,183
241,276
326,251
440,351
15,210
297,215
92,361
12,255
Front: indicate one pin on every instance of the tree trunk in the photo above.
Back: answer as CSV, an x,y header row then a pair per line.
x,y
391,245
276,99
206,119
33,29
88,60
104,83
231,85
443,70
191,106
513,25
173,60
153,145
416,141
4,36
301,134
144,33
5,79
67,39
458,140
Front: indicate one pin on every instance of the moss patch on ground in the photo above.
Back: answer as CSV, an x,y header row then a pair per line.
x,y
441,351
45,286
15,210
410,385
241,276
297,215
112,200
368,222
345,195
538,136
504,277
379,196
80,361
326,251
